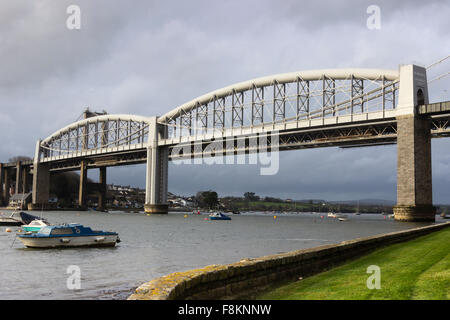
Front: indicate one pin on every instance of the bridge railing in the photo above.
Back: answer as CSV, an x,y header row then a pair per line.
x,y
434,108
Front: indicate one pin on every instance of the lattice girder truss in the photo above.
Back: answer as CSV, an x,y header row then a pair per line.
x,y
283,99
97,135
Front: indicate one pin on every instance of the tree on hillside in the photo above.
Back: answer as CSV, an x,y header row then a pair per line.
x,y
251,196
208,199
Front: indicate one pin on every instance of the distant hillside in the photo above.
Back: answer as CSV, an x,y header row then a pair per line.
x,y
365,202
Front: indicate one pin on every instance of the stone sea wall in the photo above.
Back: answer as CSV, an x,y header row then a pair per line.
x,y
246,277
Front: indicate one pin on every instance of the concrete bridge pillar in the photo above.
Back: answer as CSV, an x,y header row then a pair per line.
x,y
25,173
102,189
2,170
414,185
82,199
19,178
157,171
41,181
6,185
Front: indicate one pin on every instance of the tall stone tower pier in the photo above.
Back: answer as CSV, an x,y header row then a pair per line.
x,y
414,185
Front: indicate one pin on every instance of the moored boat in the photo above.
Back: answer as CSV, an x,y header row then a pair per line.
x,y
10,220
69,235
331,215
218,216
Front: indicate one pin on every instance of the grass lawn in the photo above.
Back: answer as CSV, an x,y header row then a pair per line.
x,y
417,269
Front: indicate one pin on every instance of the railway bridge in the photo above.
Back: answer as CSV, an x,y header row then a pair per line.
x,y
306,109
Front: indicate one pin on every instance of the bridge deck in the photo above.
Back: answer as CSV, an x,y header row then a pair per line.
x,y
367,129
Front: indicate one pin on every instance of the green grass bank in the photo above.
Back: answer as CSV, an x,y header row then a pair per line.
x,y
417,269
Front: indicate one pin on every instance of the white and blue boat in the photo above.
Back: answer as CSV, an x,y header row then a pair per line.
x,y
69,235
218,216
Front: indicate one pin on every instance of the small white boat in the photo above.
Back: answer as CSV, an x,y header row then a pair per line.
x,y
342,217
331,215
219,216
69,235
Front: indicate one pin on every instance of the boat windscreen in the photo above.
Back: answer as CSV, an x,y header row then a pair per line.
x,y
45,230
62,231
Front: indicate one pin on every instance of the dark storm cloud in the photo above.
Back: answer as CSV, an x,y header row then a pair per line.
x,y
147,57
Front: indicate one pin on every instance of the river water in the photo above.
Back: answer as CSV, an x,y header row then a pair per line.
x,y
155,245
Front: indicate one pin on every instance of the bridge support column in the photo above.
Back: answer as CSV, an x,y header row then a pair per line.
x,y
41,182
82,201
19,178
41,186
157,171
102,191
6,186
414,185
25,173
156,180
2,170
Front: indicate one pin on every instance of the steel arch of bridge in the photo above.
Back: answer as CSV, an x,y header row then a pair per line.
x,y
285,99
97,135
293,100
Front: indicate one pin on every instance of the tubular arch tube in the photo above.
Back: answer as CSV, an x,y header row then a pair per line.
x,y
335,74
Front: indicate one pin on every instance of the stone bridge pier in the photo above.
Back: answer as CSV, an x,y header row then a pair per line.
x,y
414,183
5,183
41,182
157,170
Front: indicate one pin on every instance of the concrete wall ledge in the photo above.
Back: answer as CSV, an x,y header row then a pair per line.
x,y
242,279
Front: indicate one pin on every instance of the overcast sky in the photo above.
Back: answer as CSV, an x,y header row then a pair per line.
x,y
148,57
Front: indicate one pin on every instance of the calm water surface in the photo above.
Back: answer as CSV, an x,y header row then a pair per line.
x,y
153,246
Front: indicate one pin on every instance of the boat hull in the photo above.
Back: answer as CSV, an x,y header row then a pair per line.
x,y
10,222
70,242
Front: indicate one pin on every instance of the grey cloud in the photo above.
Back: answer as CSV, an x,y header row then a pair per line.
x,y
148,57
